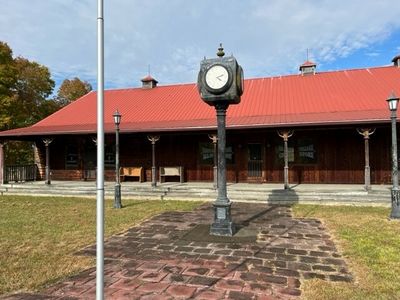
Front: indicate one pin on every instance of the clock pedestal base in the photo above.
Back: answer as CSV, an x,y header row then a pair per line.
x,y
222,224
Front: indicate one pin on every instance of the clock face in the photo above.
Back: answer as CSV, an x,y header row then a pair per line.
x,y
217,77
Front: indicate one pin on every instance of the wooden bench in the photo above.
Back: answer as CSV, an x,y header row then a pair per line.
x,y
131,172
171,172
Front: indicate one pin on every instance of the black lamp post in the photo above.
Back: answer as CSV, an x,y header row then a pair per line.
x,y
393,101
117,197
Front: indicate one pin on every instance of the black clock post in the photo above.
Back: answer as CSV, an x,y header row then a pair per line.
x,y
220,83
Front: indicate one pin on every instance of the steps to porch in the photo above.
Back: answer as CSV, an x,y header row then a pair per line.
x,y
243,192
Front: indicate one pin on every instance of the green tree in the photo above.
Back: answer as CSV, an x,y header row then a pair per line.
x,y
33,86
24,89
70,90
8,78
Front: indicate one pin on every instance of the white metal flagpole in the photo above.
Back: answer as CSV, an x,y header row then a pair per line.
x,y
100,155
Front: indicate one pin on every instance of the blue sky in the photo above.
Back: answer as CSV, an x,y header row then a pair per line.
x,y
267,37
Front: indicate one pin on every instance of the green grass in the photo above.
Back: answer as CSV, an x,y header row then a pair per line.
x,y
38,235
371,245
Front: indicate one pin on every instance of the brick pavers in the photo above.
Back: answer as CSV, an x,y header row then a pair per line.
x,y
154,261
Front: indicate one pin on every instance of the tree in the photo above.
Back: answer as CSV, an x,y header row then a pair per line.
x,y
24,88
70,90
8,78
33,86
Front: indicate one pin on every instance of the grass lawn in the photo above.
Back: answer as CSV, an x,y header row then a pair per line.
x,y
38,235
371,245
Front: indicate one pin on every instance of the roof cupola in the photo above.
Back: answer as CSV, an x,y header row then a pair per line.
x,y
308,68
149,82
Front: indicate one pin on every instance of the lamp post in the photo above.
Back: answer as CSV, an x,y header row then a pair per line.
x,y
117,197
393,101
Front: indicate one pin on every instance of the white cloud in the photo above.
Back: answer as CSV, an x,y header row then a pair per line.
x,y
267,37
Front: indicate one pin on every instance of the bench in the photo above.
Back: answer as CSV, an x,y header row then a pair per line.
x,y
131,172
171,171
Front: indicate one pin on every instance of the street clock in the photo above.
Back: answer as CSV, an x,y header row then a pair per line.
x,y
220,83
220,80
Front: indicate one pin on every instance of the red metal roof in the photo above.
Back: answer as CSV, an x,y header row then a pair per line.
x,y
340,97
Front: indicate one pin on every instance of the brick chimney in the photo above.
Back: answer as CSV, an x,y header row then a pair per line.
x,y
308,68
149,82
396,61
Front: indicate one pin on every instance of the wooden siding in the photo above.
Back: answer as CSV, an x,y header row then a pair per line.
x,y
339,155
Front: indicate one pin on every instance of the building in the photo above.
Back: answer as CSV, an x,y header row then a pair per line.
x,y
325,111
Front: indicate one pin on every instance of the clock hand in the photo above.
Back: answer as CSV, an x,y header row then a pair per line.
x,y
219,77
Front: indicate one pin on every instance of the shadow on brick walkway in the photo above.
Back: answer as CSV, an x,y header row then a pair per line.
x,y
156,260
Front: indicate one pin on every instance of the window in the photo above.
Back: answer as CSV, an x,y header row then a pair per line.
x,y
281,153
71,156
301,151
306,152
207,154
109,155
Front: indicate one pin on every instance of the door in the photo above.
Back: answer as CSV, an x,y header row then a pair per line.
x,y
90,161
255,162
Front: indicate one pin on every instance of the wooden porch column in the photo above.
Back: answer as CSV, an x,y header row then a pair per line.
x,y
47,142
214,139
153,139
285,134
2,162
366,132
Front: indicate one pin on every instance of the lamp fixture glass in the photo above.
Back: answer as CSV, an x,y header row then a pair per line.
x,y
117,117
393,101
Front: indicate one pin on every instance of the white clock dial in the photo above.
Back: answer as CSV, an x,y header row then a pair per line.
x,y
217,77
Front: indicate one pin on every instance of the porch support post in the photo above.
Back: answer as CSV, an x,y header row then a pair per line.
x,y
34,149
1,162
214,139
285,134
153,139
366,132
47,142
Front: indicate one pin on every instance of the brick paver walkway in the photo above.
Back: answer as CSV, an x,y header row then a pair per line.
x,y
155,261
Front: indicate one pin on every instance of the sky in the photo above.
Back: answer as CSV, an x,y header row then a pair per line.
x,y
171,37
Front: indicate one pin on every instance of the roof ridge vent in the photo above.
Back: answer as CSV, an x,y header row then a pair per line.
x,y
308,68
149,82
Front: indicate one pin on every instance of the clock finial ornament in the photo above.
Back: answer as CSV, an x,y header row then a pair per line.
x,y
220,52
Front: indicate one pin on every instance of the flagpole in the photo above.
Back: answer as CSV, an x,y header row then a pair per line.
x,y
100,156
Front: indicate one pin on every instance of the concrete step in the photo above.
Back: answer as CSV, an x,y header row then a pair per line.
x,y
344,194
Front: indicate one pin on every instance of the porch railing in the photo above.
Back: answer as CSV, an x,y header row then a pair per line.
x,y
18,173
